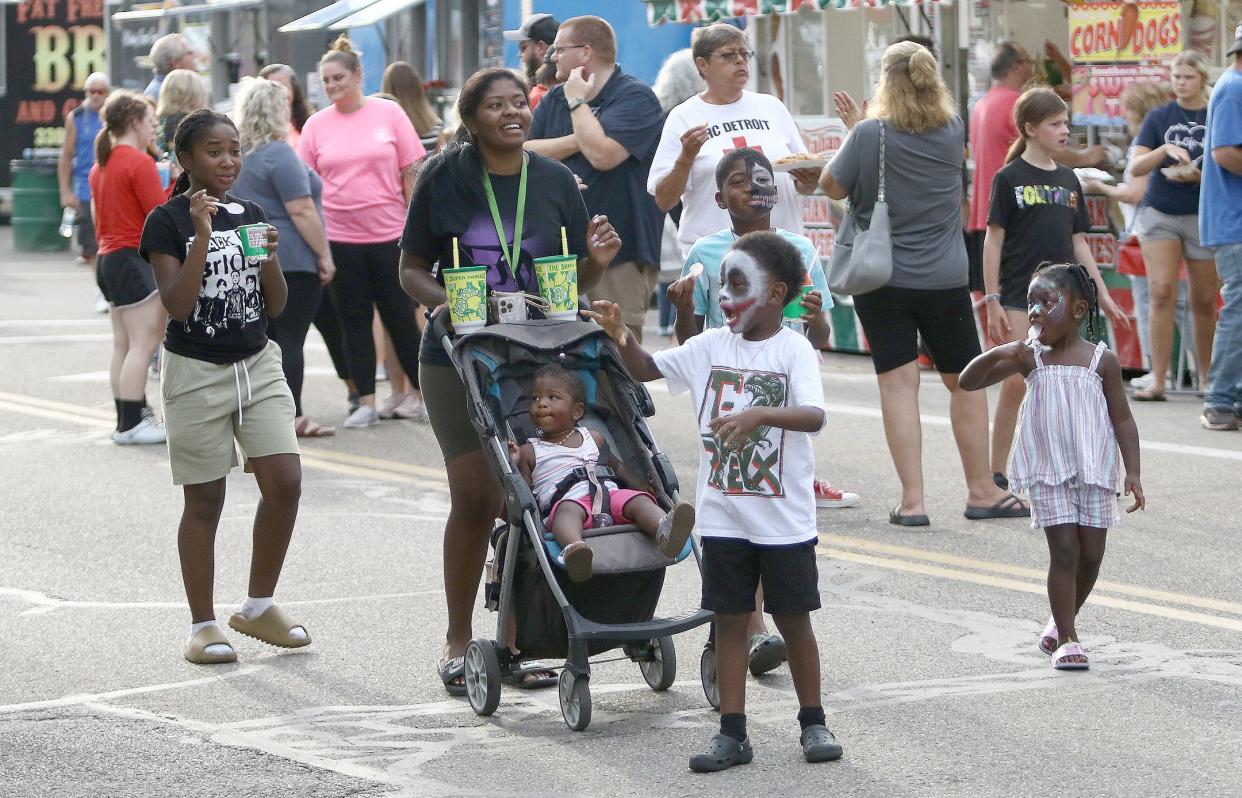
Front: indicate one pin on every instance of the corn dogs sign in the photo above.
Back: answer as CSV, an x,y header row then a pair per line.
x,y
1125,32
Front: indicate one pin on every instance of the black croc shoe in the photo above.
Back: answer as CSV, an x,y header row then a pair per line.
x,y
818,744
723,752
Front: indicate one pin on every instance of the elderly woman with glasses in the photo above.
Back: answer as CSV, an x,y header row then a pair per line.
x,y
725,116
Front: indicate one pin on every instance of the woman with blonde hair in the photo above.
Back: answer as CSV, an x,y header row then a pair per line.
x,y
181,93
1169,148
923,148
405,85
274,177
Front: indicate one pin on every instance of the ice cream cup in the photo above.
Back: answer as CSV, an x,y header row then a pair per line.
x,y
558,285
253,240
467,297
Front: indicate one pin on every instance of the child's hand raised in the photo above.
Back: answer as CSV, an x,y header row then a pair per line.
x,y
273,242
608,315
1135,488
681,292
203,206
813,304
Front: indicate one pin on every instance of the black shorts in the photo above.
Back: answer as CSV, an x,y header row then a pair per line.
x,y
124,277
894,318
732,569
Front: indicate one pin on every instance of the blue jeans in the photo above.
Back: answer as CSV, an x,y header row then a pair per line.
x,y
668,311
1224,390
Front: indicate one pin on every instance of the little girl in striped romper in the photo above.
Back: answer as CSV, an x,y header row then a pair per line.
x,y
1074,418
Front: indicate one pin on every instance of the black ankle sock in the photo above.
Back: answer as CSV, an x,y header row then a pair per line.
x,y
811,716
734,725
130,413
117,403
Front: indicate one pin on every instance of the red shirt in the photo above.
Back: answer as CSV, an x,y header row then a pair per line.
x,y
536,94
992,131
124,193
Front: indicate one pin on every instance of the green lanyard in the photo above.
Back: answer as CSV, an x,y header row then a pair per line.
x,y
520,215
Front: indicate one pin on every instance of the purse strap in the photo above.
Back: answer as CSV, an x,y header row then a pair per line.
x,y
880,196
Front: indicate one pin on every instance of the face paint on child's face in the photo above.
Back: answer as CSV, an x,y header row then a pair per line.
x,y
1045,303
762,185
742,286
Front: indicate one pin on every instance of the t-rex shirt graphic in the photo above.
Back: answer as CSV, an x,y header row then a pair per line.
x,y
755,467
761,491
228,322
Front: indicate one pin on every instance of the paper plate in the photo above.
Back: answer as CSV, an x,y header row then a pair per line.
x,y
809,163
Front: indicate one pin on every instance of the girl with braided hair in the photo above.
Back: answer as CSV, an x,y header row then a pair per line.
x,y
1074,418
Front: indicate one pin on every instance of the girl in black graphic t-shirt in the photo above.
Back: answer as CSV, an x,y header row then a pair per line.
x,y
1038,213
222,382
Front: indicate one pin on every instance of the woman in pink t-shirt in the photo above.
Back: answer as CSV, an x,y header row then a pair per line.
x,y
366,151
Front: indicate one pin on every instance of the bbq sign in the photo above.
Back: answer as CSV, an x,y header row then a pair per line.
x,y
1126,32
50,48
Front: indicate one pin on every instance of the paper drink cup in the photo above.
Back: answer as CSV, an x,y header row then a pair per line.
x,y
794,310
558,284
253,240
467,297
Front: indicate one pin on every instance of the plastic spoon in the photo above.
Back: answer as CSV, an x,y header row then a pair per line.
x,y
1032,338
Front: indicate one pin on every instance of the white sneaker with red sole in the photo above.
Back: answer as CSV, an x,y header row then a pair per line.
x,y
830,498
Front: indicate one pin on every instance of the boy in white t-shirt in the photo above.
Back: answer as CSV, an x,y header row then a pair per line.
x,y
758,397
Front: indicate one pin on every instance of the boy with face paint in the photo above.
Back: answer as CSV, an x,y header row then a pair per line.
x,y
758,399
747,190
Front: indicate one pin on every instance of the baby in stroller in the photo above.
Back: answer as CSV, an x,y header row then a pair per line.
x,y
575,490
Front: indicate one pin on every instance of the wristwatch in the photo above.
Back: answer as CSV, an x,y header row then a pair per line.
x,y
574,103
992,298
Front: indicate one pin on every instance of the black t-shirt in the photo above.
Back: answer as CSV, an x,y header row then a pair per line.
x,y
228,322
1173,124
1041,210
630,114
449,203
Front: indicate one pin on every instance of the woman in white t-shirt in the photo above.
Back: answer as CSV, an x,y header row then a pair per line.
x,y
701,130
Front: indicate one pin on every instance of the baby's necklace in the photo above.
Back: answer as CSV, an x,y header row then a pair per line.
x,y
562,439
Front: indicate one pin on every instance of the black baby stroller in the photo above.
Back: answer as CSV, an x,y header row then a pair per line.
x,y
557,618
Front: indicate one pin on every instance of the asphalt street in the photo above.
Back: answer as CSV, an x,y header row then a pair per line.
x,y
932,679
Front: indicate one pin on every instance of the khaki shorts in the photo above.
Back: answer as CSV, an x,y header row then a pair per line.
x,y
208,407
1153,225
630,285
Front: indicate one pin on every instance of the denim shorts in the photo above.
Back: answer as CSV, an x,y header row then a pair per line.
x,y
1153,225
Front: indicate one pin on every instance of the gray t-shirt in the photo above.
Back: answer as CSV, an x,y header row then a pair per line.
x,y
271,175
923,183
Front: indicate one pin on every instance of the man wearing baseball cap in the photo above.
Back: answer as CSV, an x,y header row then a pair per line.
x,y
1220,227
537,33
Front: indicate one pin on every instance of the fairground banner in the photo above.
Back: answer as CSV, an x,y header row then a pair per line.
x,y
1098,88
661,11
1111,33
50,48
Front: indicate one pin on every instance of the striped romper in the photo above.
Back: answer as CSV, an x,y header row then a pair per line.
x,y
1066,457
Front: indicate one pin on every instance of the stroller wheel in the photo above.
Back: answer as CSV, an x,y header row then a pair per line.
x,y
707,673
660,670
575,693
482,676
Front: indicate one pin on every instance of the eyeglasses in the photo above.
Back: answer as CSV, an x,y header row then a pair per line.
x,y
734,56
557,48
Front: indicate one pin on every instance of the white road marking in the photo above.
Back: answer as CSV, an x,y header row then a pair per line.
x,y
45,604
87,698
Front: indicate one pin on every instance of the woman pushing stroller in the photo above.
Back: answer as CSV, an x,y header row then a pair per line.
x,y
562,466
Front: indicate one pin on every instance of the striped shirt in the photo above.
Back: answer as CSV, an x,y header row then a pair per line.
x,y
1065,431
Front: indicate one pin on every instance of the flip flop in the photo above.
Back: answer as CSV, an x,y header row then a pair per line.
x,y
1148,395
895,517
767,652
272,626
1060,657
196,648
1049,633
305,428
1009,507
531,675
450,671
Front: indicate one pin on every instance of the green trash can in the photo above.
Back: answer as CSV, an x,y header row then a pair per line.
x,y
36,206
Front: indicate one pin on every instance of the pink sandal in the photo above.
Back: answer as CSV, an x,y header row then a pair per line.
x,y
1049,633
1060,657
